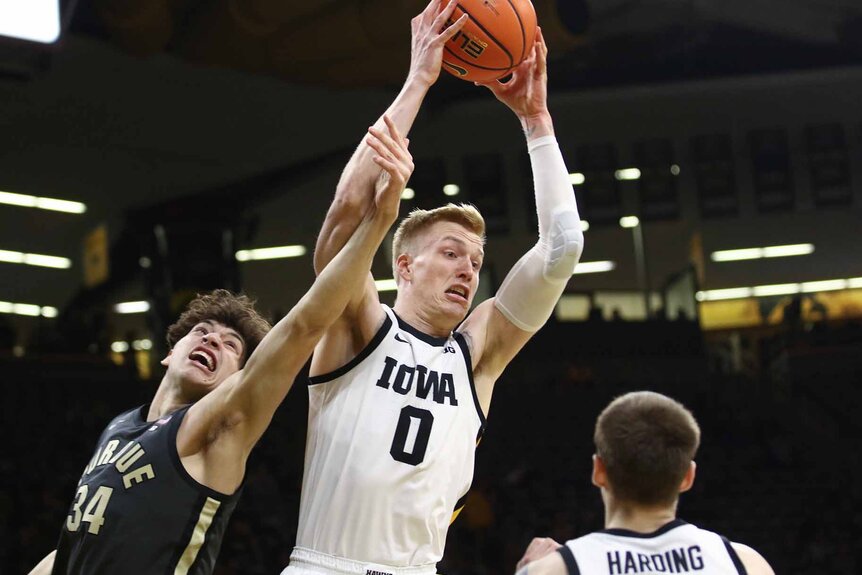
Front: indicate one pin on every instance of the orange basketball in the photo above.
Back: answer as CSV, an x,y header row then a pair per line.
x,y
497,37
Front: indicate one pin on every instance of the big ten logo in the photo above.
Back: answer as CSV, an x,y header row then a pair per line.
x,y
473,47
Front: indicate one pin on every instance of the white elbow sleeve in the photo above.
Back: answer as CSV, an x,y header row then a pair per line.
x,y
566,243
532,288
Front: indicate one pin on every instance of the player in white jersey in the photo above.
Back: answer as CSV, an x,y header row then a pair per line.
x,y
645,447
397,396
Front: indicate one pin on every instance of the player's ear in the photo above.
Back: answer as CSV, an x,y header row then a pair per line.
x,y
688,480
167,358
600,474
404,265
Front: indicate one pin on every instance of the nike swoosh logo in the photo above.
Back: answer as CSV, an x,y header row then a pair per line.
x,y
399,338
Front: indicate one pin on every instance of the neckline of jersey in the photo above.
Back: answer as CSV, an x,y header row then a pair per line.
x,y
427,338
660,531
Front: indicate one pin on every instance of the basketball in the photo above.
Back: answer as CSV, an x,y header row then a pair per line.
x,y
498,36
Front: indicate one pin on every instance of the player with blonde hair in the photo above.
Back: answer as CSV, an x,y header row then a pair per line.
x,y
398,396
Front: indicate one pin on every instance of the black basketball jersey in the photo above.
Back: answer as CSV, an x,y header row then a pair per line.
x,y
137,510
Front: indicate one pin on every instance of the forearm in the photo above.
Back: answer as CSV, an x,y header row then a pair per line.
x,y
353,194
269,372
345,275
45,566
532,288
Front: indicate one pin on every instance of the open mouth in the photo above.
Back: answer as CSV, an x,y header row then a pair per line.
x,y
204,358
458,291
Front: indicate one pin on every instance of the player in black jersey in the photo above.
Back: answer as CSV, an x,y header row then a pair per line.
x,y
645,446
157,493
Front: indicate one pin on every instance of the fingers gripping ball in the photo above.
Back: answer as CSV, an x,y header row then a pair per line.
x,y
497,37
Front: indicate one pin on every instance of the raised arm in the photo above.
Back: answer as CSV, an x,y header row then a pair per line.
x,y
361,173
220,429
500,327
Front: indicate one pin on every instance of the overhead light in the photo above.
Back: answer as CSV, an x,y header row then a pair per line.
x,y
451,189
674,170
408,194
132,307
628,174
386,285
825,285
775,289
142,344
736,255
28,309
765,252
585,225
35,260
120,346
629,221
271,253
577,178
594,267
720,294
790,250
779,289
29,20
53,204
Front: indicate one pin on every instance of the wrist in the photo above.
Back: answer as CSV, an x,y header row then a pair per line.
x,y
537,125
419,81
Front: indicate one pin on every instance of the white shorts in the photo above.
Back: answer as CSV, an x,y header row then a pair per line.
x,y
307,562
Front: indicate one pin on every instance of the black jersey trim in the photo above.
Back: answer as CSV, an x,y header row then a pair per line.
x,y
465,349
734,556
462,501
660,531
174,427
427,338
569,560
372,345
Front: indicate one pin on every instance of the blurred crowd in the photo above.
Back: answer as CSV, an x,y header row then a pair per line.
x,y
777,468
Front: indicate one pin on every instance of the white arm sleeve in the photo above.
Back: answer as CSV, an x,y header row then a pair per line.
x,y
534,285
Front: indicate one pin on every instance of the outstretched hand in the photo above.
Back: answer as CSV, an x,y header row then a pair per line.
x,y
429,36
526,93
393,157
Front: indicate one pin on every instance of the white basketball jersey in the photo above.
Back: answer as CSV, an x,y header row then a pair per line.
x,y
678,547
390,450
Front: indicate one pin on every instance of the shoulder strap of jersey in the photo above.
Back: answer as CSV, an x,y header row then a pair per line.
x,y
734,556
569,560
372,345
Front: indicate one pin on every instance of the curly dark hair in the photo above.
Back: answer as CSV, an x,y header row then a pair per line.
x,y
233,310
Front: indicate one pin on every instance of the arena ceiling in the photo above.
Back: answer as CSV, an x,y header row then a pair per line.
x,y
143,101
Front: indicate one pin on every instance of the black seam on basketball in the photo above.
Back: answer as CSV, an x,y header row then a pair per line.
x,y
476,65
523,32
492,37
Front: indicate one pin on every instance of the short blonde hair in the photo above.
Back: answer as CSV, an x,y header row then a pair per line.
x,y
419,220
